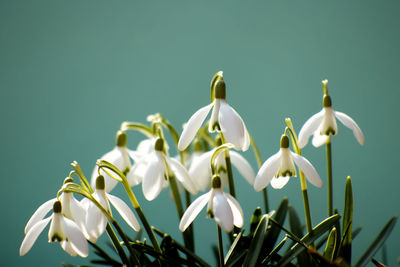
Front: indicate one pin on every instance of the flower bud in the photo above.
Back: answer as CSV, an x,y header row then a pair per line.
x,y
100,182
284,141
159,144
220,90
68,180
326,101
57,207
216,182
121,139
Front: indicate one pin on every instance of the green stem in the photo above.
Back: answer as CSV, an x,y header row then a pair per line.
x,y
127,244
329,170
307,210
230,175
189,230
259,163
148,229
117,244
220,247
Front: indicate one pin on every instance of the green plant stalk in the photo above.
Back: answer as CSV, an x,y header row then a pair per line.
x,y
127,243
259,163
230,175
117,244
220,247
329,170
189,230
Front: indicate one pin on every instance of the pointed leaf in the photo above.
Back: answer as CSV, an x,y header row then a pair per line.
x,y
233,246
345,249
377,243
317,231
329,251
256,243
296,227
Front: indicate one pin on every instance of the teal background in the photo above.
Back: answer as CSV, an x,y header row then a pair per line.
x,y
72,71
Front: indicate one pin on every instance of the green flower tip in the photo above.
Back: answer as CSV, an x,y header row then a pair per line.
x,y
216,182
284,141
100,182
324,84
220,89
57,207
121,139
197,147
159,145
326,101
218,141
68,180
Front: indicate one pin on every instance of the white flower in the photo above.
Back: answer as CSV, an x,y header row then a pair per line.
x,y
200,168
221,206
156,172
280,167
62,230
96,221
223,116
323,124
119,157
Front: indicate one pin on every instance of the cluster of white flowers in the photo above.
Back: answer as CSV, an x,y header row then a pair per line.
x,y
73,222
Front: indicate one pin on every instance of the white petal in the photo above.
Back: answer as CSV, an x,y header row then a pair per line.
x,y
200,170
96,222
214,116
243,166
308,169
193,210
352,125
182,175
319,139
117,157
192,126
309,128
153,179
56,229
267,171
279,182
124,211
222,212
236,210
232,127
39,214
78,215
32,234
67,247
75,237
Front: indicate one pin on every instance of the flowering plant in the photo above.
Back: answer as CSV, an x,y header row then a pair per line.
x,y
77,224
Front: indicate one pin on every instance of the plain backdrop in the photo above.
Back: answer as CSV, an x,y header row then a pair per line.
x,y
72,71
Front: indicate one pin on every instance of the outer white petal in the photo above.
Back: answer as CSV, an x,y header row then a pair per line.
x,y
279,182
78,214
153,178
32,234
267,171
308,169
75,237
309,128
352,125
236,210
214,115
319,139
243,166
125,212
67,247
39,214
192,126
119,158
182,175
222,211
193,210
96,222
200,170
232,127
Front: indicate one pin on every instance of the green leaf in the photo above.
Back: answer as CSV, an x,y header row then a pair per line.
x,y
296,227
345,248
317,231
233,247
274,231
257,242
377,243
275,251
329,251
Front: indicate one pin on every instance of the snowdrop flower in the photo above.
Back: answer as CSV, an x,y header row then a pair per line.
x,y
72,209
221,206
62,230
119,157
156,172
223,118
323,124
200,168
280,167
96,220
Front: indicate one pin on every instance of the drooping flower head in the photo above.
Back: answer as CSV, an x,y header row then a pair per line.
x,y
223,118
62,230
323,124
221,206
280,167
119,157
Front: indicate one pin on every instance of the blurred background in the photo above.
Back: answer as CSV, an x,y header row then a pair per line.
x,y
72,71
